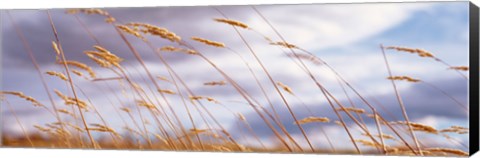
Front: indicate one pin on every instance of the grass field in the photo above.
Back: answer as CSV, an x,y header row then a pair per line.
x,y
154,111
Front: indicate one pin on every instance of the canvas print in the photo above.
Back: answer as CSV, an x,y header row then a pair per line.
x,y
366,78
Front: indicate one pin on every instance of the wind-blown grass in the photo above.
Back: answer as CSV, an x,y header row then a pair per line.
x,y
165,112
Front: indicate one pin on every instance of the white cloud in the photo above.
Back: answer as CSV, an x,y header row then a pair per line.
x,y
322,26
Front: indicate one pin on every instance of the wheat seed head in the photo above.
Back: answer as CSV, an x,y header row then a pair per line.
x,y
78,73
450,151
385,136
312,119
167,91
284,44
58,74
460,68
198,131
285,87
155,31
23,96
419,127
232,22
419,52
214,83
130,31
93,11
352,109
145,104
404,78
208,42
175,49
80,65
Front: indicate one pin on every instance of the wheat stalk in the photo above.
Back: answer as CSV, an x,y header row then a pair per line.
x,y
352,109
425,54
285,87
102,128
78,73
400,102
403,78
71,100
91,11
145,104
448,150
308,57
455,129
386,136
232,22
23,96
167,91
130,31
156,31
284,44
312,119
461,68
215,83
418,127
209,42
58,74
175,49
80,65
419,52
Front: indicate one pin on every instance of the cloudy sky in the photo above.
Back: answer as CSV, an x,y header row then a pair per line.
x,y
346,36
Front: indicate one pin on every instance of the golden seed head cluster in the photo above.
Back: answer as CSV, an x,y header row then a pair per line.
x,y
403,78
232,22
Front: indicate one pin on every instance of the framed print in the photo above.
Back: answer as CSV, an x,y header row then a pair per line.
x,y
361,78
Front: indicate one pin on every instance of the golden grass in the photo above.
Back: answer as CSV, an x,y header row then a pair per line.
x,y
285,87
128,30
419,127
58,74
403,78
155,31
72,101
145,104
455,129
215,83
23,96
166,91
385,136
312,119
208,42
450,151
175,49
78,73
142,109
284,44
352,109
232,22
461,68
419,52
80,65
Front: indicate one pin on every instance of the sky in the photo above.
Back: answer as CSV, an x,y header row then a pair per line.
x,y
346,36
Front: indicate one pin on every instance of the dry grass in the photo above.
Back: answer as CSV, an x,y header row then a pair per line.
x,y
21,95
232,22
208,42
151,119
58,74
312,119
80,65
403,78
461,68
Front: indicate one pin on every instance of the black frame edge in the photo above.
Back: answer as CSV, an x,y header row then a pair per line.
x,y
474,72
